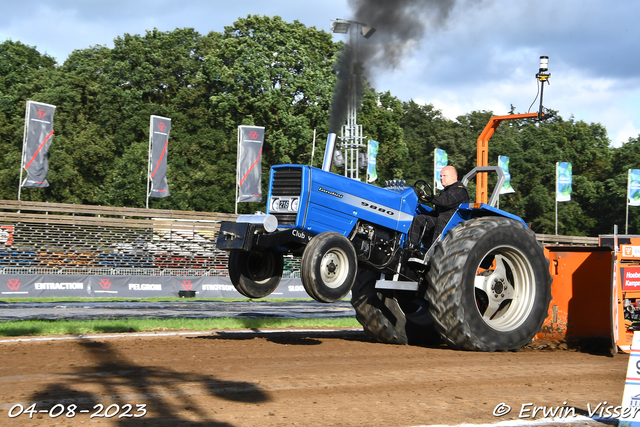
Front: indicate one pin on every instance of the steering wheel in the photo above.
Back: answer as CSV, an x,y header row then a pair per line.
x,y
423,182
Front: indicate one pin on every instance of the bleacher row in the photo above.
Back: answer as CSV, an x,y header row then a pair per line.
x,y
81,239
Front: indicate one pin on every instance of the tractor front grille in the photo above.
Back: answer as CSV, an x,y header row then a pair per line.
x,y
287,182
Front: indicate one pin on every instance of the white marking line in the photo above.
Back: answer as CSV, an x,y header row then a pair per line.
x,y
542,421
169,334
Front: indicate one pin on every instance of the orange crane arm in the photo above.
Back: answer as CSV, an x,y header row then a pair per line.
x,y
482,184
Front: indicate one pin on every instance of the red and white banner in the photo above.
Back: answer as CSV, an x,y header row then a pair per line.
x,y
630,278
6,235
159,128
249,168
38,133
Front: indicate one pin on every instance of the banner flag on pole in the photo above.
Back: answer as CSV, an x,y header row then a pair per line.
x,y
633,187
563,181
159,129
440,160
249,167
38,133
503,163
372,153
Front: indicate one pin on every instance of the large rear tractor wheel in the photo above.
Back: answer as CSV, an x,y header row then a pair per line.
x,y
389,319
489,285
257,273
328,267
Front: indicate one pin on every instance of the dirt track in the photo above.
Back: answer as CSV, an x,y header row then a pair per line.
x,y
304,378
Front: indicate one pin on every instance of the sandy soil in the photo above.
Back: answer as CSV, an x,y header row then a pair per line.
x,y
285,379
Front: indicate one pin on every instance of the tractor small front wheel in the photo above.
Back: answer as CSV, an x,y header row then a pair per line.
x,y
329,266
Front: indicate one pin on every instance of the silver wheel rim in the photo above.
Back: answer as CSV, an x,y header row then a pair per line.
x,y
334,268
505,293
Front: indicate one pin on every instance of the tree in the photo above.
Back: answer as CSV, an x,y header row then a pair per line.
x,y
23,72
614,193
158,74
380,117
422,127
266,72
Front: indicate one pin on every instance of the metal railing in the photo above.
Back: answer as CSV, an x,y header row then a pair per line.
x,y
555,239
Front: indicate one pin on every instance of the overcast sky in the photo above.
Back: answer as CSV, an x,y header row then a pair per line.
x,y
479,54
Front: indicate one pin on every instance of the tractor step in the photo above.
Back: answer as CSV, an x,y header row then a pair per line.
x,y
396,285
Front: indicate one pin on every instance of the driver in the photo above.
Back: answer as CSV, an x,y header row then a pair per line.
x,y
425,227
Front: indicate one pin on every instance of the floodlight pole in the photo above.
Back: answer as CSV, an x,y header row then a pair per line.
x,y
351,137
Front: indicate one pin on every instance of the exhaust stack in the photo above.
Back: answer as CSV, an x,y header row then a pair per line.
x,y
328,152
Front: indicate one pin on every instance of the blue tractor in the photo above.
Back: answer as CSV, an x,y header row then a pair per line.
x,y
484,283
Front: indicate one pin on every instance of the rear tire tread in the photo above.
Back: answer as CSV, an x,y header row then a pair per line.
x,y
446,273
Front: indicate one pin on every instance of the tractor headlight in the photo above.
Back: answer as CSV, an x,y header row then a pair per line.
x,y
275,204
294,205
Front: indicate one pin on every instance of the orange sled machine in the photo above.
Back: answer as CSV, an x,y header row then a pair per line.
x,y
596,293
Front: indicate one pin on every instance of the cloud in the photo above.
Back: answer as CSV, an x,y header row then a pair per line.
x,y
486,55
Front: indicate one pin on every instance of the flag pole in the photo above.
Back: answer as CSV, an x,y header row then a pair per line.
x,y
313,148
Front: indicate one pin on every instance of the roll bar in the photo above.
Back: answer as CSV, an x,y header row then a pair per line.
x,y
496,191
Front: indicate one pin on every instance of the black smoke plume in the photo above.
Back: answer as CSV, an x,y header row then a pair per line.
x,y
400,26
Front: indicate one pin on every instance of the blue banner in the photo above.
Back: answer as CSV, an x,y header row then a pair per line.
x,y
633,187
440,160
503,163
372,153
564,180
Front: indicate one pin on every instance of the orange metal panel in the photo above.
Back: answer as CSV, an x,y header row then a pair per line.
x,y
581,304
626,289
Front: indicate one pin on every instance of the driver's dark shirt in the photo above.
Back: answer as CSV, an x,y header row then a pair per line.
x,y
445,206
450,198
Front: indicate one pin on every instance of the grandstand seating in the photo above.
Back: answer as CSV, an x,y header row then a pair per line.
x,y
83,239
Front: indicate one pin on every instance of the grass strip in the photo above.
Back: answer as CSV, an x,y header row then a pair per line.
x,y
76,327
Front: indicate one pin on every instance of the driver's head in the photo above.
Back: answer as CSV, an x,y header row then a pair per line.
x,y
448,175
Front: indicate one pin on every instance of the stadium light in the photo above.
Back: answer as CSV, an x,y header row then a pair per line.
x,y
340,26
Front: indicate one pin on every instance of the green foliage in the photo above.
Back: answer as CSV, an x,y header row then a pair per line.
x,y
266,72
380,117
23,72
269,73
612,204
